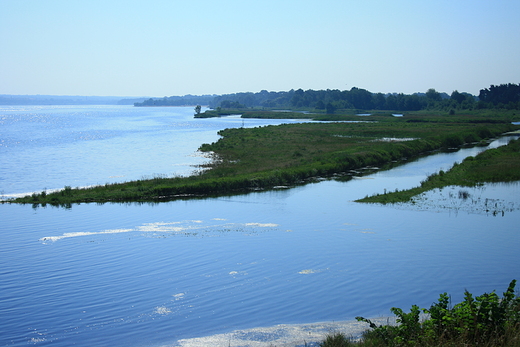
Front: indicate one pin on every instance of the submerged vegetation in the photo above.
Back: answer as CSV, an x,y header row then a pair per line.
x,y
485,320
494,165
246,159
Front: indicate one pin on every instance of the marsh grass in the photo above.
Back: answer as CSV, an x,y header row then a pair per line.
x,y
423,116
494,165
285,155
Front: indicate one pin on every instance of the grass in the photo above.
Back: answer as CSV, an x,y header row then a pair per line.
x,y
478,116
248,159
485,320
495,165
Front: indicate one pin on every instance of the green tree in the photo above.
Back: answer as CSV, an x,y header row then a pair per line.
x,y
458,97
433,95
330,108
503,94
197,109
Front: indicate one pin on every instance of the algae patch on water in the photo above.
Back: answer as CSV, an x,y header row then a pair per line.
x,y
82,233
196,228
312,271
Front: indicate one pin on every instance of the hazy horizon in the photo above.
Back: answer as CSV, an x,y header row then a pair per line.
x,y
161,96
163,48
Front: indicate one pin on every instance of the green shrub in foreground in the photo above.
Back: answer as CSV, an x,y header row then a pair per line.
x,y
485,320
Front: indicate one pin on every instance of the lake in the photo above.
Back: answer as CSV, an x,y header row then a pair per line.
x,y
278,267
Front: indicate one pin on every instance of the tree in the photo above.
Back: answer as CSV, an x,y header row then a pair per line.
x,y
502,94
433,95
458,97
330,108
360,98
231,104
197,109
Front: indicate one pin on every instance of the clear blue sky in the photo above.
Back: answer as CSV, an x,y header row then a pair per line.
x,y
162,48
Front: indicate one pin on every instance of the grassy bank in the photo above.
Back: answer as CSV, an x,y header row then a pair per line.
x,y
495,165
246,159
477,116
485,320
259,114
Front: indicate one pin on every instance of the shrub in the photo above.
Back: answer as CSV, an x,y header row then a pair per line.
x,y
67,191
453,141
336,340
484,320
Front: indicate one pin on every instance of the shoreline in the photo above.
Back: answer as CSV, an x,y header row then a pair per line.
x,y
496,165
249,159
286,335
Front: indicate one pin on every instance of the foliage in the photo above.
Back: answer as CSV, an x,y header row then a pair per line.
x,y
504,96
231,104
185,100
500,164
332,100
337,340
486,320
263,99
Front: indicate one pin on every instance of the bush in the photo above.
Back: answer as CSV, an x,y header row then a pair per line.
x,y
337,340
484,320
453,141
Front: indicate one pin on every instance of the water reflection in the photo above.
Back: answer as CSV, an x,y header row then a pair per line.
x,y
491,199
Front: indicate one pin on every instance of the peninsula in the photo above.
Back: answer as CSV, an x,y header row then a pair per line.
x,y
247,159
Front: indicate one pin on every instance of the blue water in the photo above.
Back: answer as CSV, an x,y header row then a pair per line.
x,y
220,271
49,147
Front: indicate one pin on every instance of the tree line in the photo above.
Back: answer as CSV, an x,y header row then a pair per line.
x,y
503,96
186,100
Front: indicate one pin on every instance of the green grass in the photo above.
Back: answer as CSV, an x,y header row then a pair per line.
x,y
265,157
479,116
495,165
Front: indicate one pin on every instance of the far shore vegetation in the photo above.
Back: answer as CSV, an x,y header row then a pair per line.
x,y
273,157
504,96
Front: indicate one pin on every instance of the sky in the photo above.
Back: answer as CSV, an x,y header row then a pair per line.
x,y
167,47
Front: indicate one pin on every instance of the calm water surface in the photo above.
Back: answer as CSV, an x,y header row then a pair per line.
x,y
255,269
48,147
